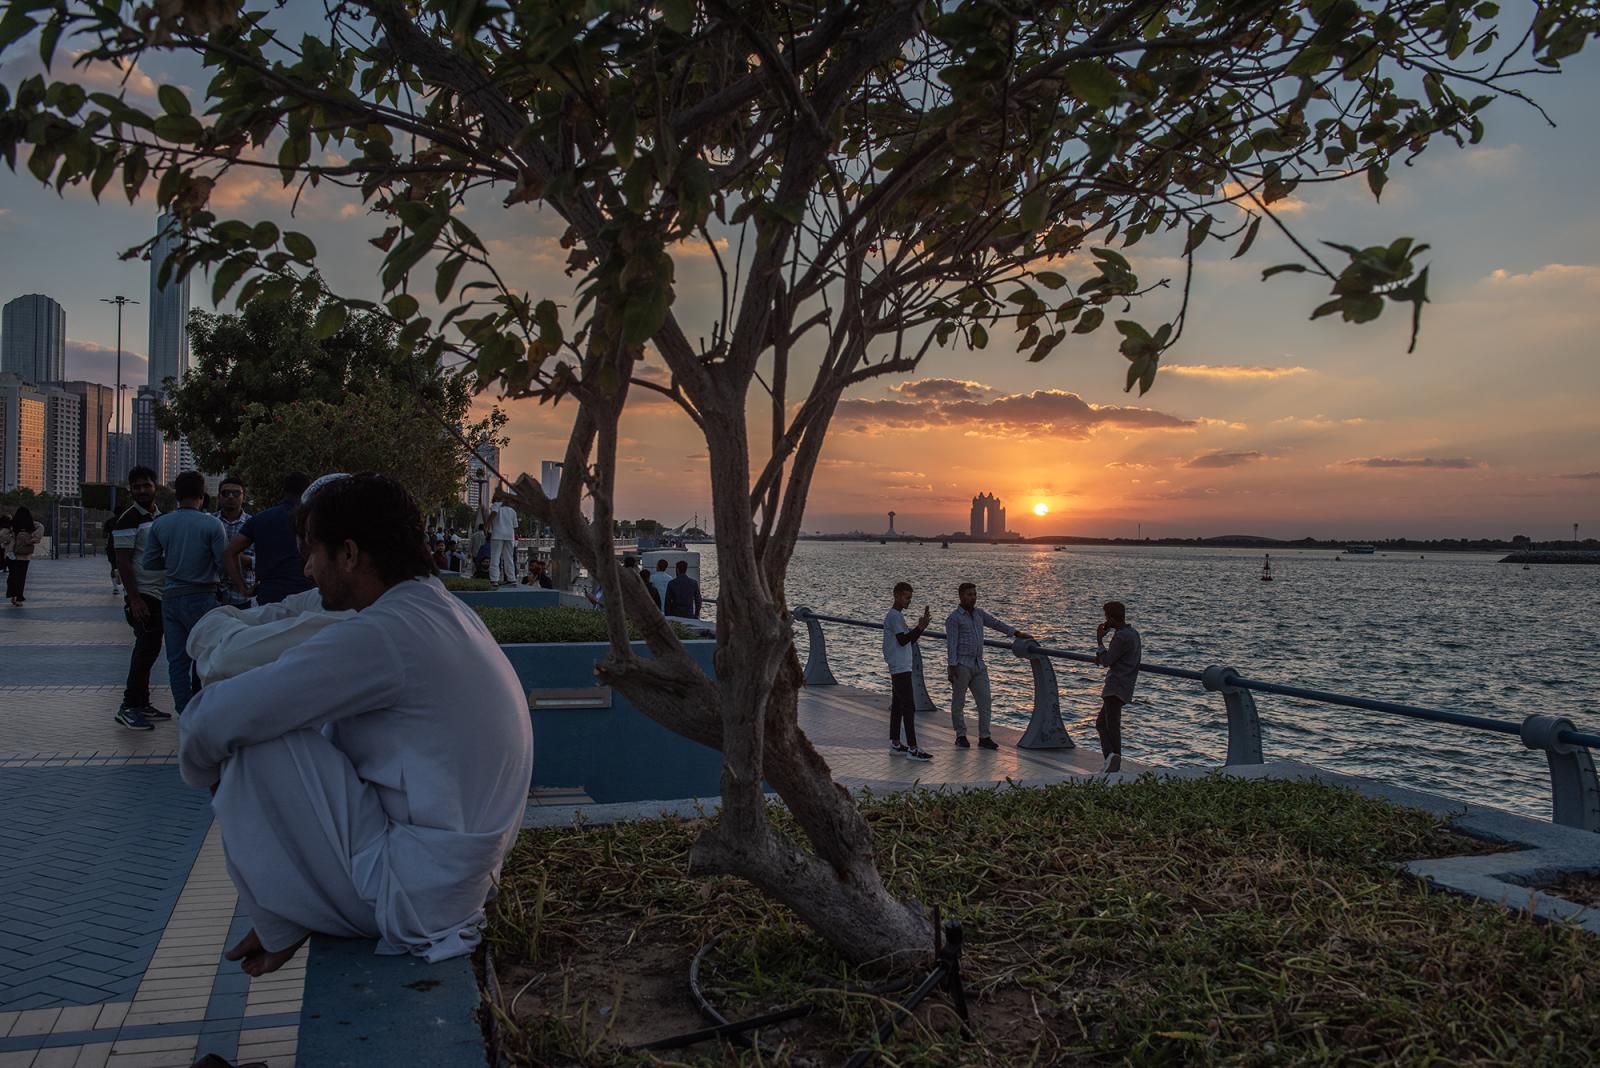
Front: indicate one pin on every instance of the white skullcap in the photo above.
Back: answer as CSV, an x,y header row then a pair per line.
x,y
323,481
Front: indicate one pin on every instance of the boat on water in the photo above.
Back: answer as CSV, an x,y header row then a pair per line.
x,y
1360,549
1266,568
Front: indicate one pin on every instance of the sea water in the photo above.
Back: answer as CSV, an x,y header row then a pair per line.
x,y
1453,631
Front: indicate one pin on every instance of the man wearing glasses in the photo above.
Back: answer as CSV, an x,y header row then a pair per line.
x,y
231,514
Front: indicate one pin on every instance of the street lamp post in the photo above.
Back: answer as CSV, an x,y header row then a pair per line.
x,y
120,301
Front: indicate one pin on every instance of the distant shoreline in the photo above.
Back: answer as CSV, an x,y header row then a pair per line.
x,y
1568,552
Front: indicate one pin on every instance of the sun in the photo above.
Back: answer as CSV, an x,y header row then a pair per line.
x,y
1041,509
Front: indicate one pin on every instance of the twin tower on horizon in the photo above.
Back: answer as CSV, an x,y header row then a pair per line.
x,y
988,517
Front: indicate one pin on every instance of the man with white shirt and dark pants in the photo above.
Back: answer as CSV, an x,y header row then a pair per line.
x,y
502,544
897,639
963,632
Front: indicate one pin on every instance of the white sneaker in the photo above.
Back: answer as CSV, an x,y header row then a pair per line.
x,y
1113,764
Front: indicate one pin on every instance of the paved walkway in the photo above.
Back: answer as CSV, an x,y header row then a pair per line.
x,y
117,907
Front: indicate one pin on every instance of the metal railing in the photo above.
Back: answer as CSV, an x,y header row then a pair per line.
x,y
1574,788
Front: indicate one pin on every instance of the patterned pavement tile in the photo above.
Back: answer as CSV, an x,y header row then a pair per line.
x,y
95,859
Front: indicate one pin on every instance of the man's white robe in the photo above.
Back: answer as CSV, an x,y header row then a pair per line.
x,y
371,780
229,641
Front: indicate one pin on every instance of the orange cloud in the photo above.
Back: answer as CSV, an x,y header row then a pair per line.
x,y
1232,371
1043,412
1439,463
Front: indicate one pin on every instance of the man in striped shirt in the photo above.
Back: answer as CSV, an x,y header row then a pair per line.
x,y
963,635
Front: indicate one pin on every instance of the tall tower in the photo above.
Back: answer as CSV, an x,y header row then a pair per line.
x,y
891,522
33,339
975,526
169,311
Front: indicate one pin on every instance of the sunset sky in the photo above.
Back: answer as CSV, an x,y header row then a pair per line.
x,y
1260,421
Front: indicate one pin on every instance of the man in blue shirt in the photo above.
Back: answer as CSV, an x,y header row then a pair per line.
x,y
190,543
280,570
963,633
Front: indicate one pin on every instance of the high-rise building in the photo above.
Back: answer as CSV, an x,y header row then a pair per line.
x,y
23,414
94,417
988,516
481,470
63,445
119,456
169,311
148,448
550,477
33,339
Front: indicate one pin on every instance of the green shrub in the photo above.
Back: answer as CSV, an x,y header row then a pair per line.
x,y
512,626
462,582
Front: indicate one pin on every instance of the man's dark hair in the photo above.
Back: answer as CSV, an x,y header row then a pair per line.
x,y
902,587
1116,610
661,565
189,486
379,515
295,483
964,587
630,561
139,472
683,567
231,480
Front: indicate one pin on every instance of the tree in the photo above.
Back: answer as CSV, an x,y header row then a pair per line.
x,y
869,179
276,357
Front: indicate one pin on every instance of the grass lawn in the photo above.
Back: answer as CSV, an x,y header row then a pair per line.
x,y
1216,921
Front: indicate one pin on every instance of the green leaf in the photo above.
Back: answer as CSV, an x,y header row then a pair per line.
x,y
980,336
1249,237
1132,330
173,102
1281,268
678,15
263,235
300,246
1377,178
403,306
1090,320
1050,279
179,129
330,317
446,279
14,26
229,273
1030,213
1197,234
1093,83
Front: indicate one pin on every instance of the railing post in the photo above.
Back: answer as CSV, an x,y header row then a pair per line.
x,y
1244,726
1574,790
1045,729
817,671
919,685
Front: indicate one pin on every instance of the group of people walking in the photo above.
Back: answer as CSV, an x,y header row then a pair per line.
x,y
969,674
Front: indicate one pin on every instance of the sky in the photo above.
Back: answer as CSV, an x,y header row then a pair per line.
x,y
1260,421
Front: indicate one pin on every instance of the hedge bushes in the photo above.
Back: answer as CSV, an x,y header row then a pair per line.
x,y
511,626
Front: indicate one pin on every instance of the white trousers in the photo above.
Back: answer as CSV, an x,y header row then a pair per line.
x,y
294,817
502,560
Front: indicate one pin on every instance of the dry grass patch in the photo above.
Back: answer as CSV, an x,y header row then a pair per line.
x,y
1213,921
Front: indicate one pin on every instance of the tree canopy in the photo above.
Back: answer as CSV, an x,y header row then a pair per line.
x,y
868,181
270,392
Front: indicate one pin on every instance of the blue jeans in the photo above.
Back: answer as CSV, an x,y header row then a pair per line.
x,y
179,614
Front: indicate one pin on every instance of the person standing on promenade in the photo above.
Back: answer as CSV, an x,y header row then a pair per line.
x,y
963,635
502,543
188,545
24,537
233,517
5,542
1121,662
141,598
897,639
279,569
683,595
358,794
660,578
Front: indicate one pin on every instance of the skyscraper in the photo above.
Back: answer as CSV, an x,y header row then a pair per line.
x,y
119,456
169,311
480,476
988,516
94,417
22,435
63,444
148,448
33,339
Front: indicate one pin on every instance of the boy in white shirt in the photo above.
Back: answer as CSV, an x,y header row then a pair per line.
x,y
897,639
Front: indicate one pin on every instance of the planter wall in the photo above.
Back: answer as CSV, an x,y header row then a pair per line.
x,y
521,597
593,738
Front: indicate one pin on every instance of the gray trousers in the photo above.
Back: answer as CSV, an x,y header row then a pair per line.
x,y
977,680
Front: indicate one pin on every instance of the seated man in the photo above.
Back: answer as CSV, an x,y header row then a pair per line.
x,y
369,782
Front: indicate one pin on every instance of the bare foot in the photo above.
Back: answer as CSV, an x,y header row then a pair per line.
x,y
255,959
